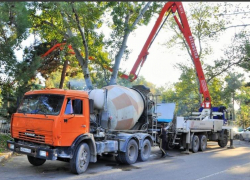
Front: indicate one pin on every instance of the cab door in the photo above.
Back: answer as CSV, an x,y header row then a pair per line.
x,y
73,121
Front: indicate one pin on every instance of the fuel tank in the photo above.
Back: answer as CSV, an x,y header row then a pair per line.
x,y
124,105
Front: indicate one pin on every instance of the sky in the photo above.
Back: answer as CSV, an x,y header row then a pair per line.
x,y
159,66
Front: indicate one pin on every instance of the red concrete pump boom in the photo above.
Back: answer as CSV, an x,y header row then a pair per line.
x,y
184,28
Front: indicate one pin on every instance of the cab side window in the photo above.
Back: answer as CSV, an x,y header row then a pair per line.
x,y
74,106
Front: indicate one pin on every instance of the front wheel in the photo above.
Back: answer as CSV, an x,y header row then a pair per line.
x,y
36,161
80,161
145,151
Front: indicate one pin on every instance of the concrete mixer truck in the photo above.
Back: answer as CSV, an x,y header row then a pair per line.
x,y
77,126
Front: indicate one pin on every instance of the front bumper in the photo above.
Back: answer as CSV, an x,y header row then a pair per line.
x,y
30,150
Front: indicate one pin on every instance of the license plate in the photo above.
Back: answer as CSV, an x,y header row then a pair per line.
x,y
25,150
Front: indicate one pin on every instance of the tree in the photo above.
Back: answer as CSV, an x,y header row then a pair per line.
x,y
234,82
74,23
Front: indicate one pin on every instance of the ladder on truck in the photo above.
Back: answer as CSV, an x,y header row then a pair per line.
x,y
153,131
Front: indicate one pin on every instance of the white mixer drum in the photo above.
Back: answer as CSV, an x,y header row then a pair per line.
x,y
124,105
98,96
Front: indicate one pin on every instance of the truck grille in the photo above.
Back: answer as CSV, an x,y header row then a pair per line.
x,y
36,136
32,137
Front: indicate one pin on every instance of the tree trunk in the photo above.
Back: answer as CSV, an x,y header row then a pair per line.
x,y
65,65
84,66
82,63
118,57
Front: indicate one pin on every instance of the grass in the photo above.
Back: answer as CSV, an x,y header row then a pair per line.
x,y
3,143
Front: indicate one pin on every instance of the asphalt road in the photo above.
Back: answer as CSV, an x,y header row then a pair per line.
x,y
215,163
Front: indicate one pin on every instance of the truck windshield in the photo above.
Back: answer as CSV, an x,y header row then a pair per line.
x,y
41,104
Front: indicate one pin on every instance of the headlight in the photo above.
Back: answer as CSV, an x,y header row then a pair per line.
x,y
11,146
43,153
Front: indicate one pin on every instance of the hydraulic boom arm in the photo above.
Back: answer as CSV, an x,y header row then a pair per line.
x,y
184,28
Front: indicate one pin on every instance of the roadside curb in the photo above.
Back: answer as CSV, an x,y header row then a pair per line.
x,y
5,156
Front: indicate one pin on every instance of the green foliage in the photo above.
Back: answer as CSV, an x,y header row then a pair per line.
x,y
243,114
3,142
216,90
186,92
76,81
99,68
13,30
22,80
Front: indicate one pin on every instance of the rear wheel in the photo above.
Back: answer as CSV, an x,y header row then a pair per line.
x,y
145,151
36,161
170,144
195,144
131,154
80,161
223,142
203,142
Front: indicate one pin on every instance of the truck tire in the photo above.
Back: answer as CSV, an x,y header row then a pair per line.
x,y
195,144
222,143
170,144
145,151
80,161
203,142
131,154
36,161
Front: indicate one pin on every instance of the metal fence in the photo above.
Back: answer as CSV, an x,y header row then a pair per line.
x,y
4,126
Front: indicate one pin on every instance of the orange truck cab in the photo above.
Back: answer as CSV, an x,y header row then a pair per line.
x,y
56,124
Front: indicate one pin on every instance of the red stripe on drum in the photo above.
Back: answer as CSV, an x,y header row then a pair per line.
x,y
124,124
123,101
